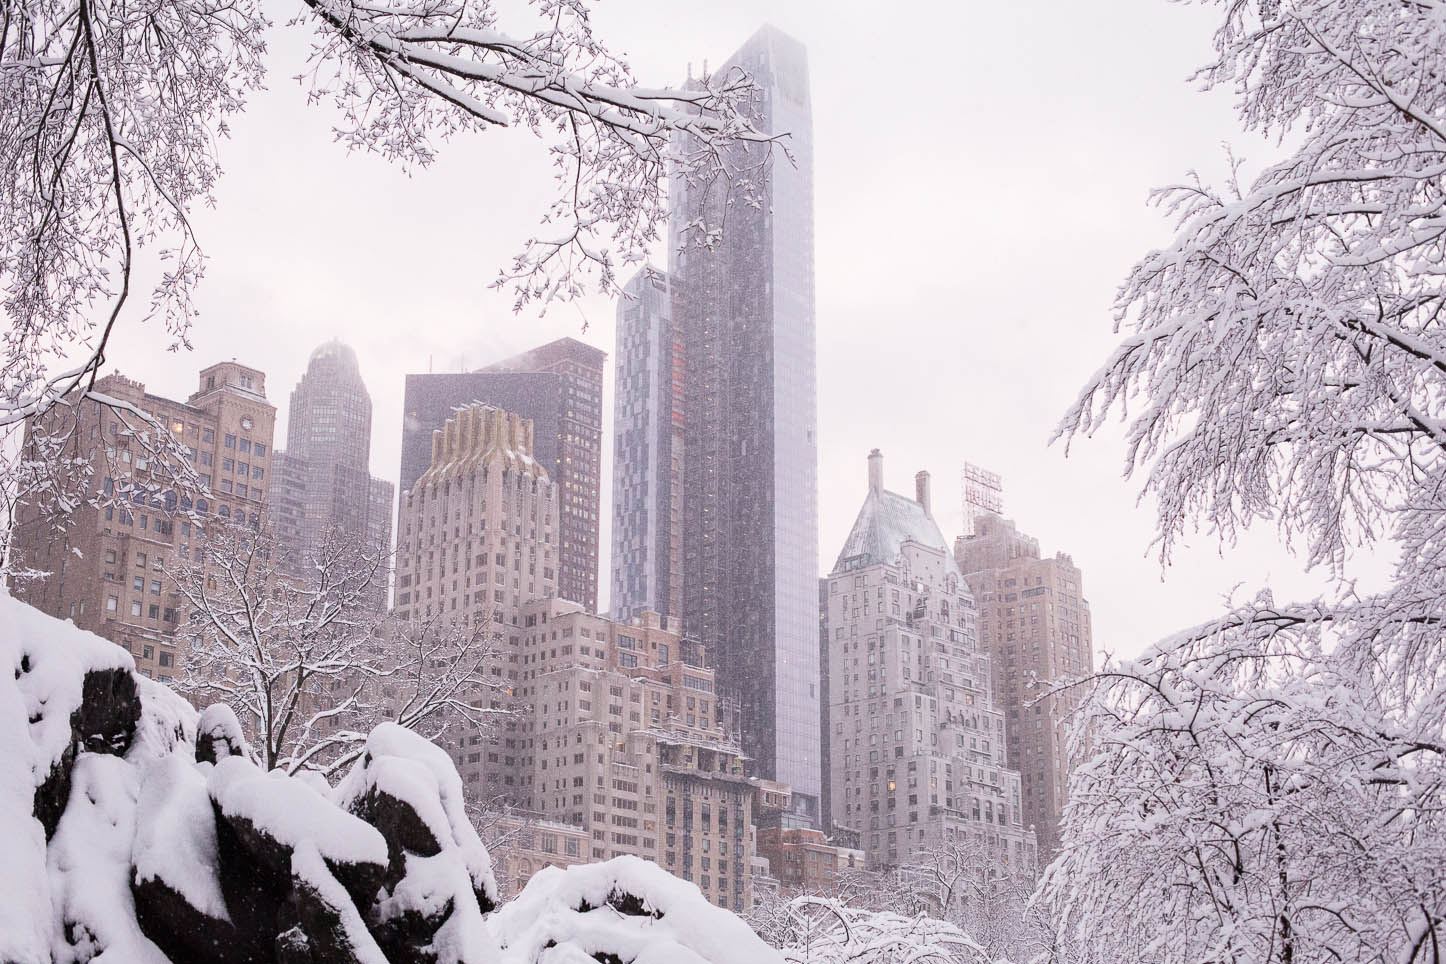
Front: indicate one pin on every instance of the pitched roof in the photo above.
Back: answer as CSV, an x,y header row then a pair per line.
x,y
885,522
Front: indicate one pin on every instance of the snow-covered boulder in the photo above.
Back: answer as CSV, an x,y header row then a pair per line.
x,y
219,735
439,880
176,871
625,909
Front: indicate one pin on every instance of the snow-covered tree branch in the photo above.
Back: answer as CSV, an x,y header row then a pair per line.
x,y
1269,787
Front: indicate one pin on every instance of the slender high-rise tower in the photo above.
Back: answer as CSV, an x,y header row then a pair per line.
x,y
745,310
648,428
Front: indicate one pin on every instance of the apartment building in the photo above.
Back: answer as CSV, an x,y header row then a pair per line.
x,y
1035,623
106,570
918,742
623,736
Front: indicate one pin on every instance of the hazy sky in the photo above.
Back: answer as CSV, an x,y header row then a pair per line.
x,y
980,185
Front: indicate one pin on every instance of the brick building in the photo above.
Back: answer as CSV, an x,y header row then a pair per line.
x,y
1035,623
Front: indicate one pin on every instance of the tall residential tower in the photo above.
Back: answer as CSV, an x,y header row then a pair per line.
x,y
744,308
648,428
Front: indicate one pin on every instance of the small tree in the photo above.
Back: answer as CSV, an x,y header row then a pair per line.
x,y
305,664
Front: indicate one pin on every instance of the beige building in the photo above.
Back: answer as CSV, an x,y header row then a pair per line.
x,y
617,730
622,735
520,844
916,742
106,571
476,539
1035,621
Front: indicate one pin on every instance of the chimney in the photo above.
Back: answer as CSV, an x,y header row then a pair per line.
x,y
921,493
876,471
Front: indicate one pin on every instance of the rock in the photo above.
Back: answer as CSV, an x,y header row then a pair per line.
x,y
319,923
267,815
218,734
183,933
110,706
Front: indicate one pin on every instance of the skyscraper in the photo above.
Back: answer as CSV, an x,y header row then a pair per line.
x,y
558,387
321,481
647,555
745,310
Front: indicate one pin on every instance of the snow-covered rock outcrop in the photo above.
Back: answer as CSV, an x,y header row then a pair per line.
x,y
137,831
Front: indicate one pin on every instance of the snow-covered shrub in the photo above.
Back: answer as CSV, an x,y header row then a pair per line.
x,y
623,910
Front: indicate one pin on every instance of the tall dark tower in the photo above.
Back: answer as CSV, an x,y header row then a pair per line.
x,y
745,310
321,481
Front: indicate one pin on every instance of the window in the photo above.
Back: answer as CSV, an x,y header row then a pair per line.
x,y
208,435
628,660
140,560
243,469
138,583
229,441
154,612
155,587
257,472
260,450
207,458
135,608
110,604
228,465
245,445
167,659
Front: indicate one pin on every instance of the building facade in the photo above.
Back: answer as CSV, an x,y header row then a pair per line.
x,y
322,483
1035,622
918,742
107,572
648,421
558,387
622,735
744,308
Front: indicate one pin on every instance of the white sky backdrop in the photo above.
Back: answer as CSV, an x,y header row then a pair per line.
x,y
981,177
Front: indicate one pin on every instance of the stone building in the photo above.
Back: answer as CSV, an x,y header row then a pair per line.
x,y
558,388
917,741
1035,622
476,539
107,570
623,736
321,481
520,844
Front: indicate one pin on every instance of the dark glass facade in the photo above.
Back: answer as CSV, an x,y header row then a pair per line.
x,y
745,310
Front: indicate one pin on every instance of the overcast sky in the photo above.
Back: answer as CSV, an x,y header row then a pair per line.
x,y
981,177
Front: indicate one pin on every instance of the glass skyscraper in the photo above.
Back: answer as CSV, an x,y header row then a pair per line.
x,y
744,309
